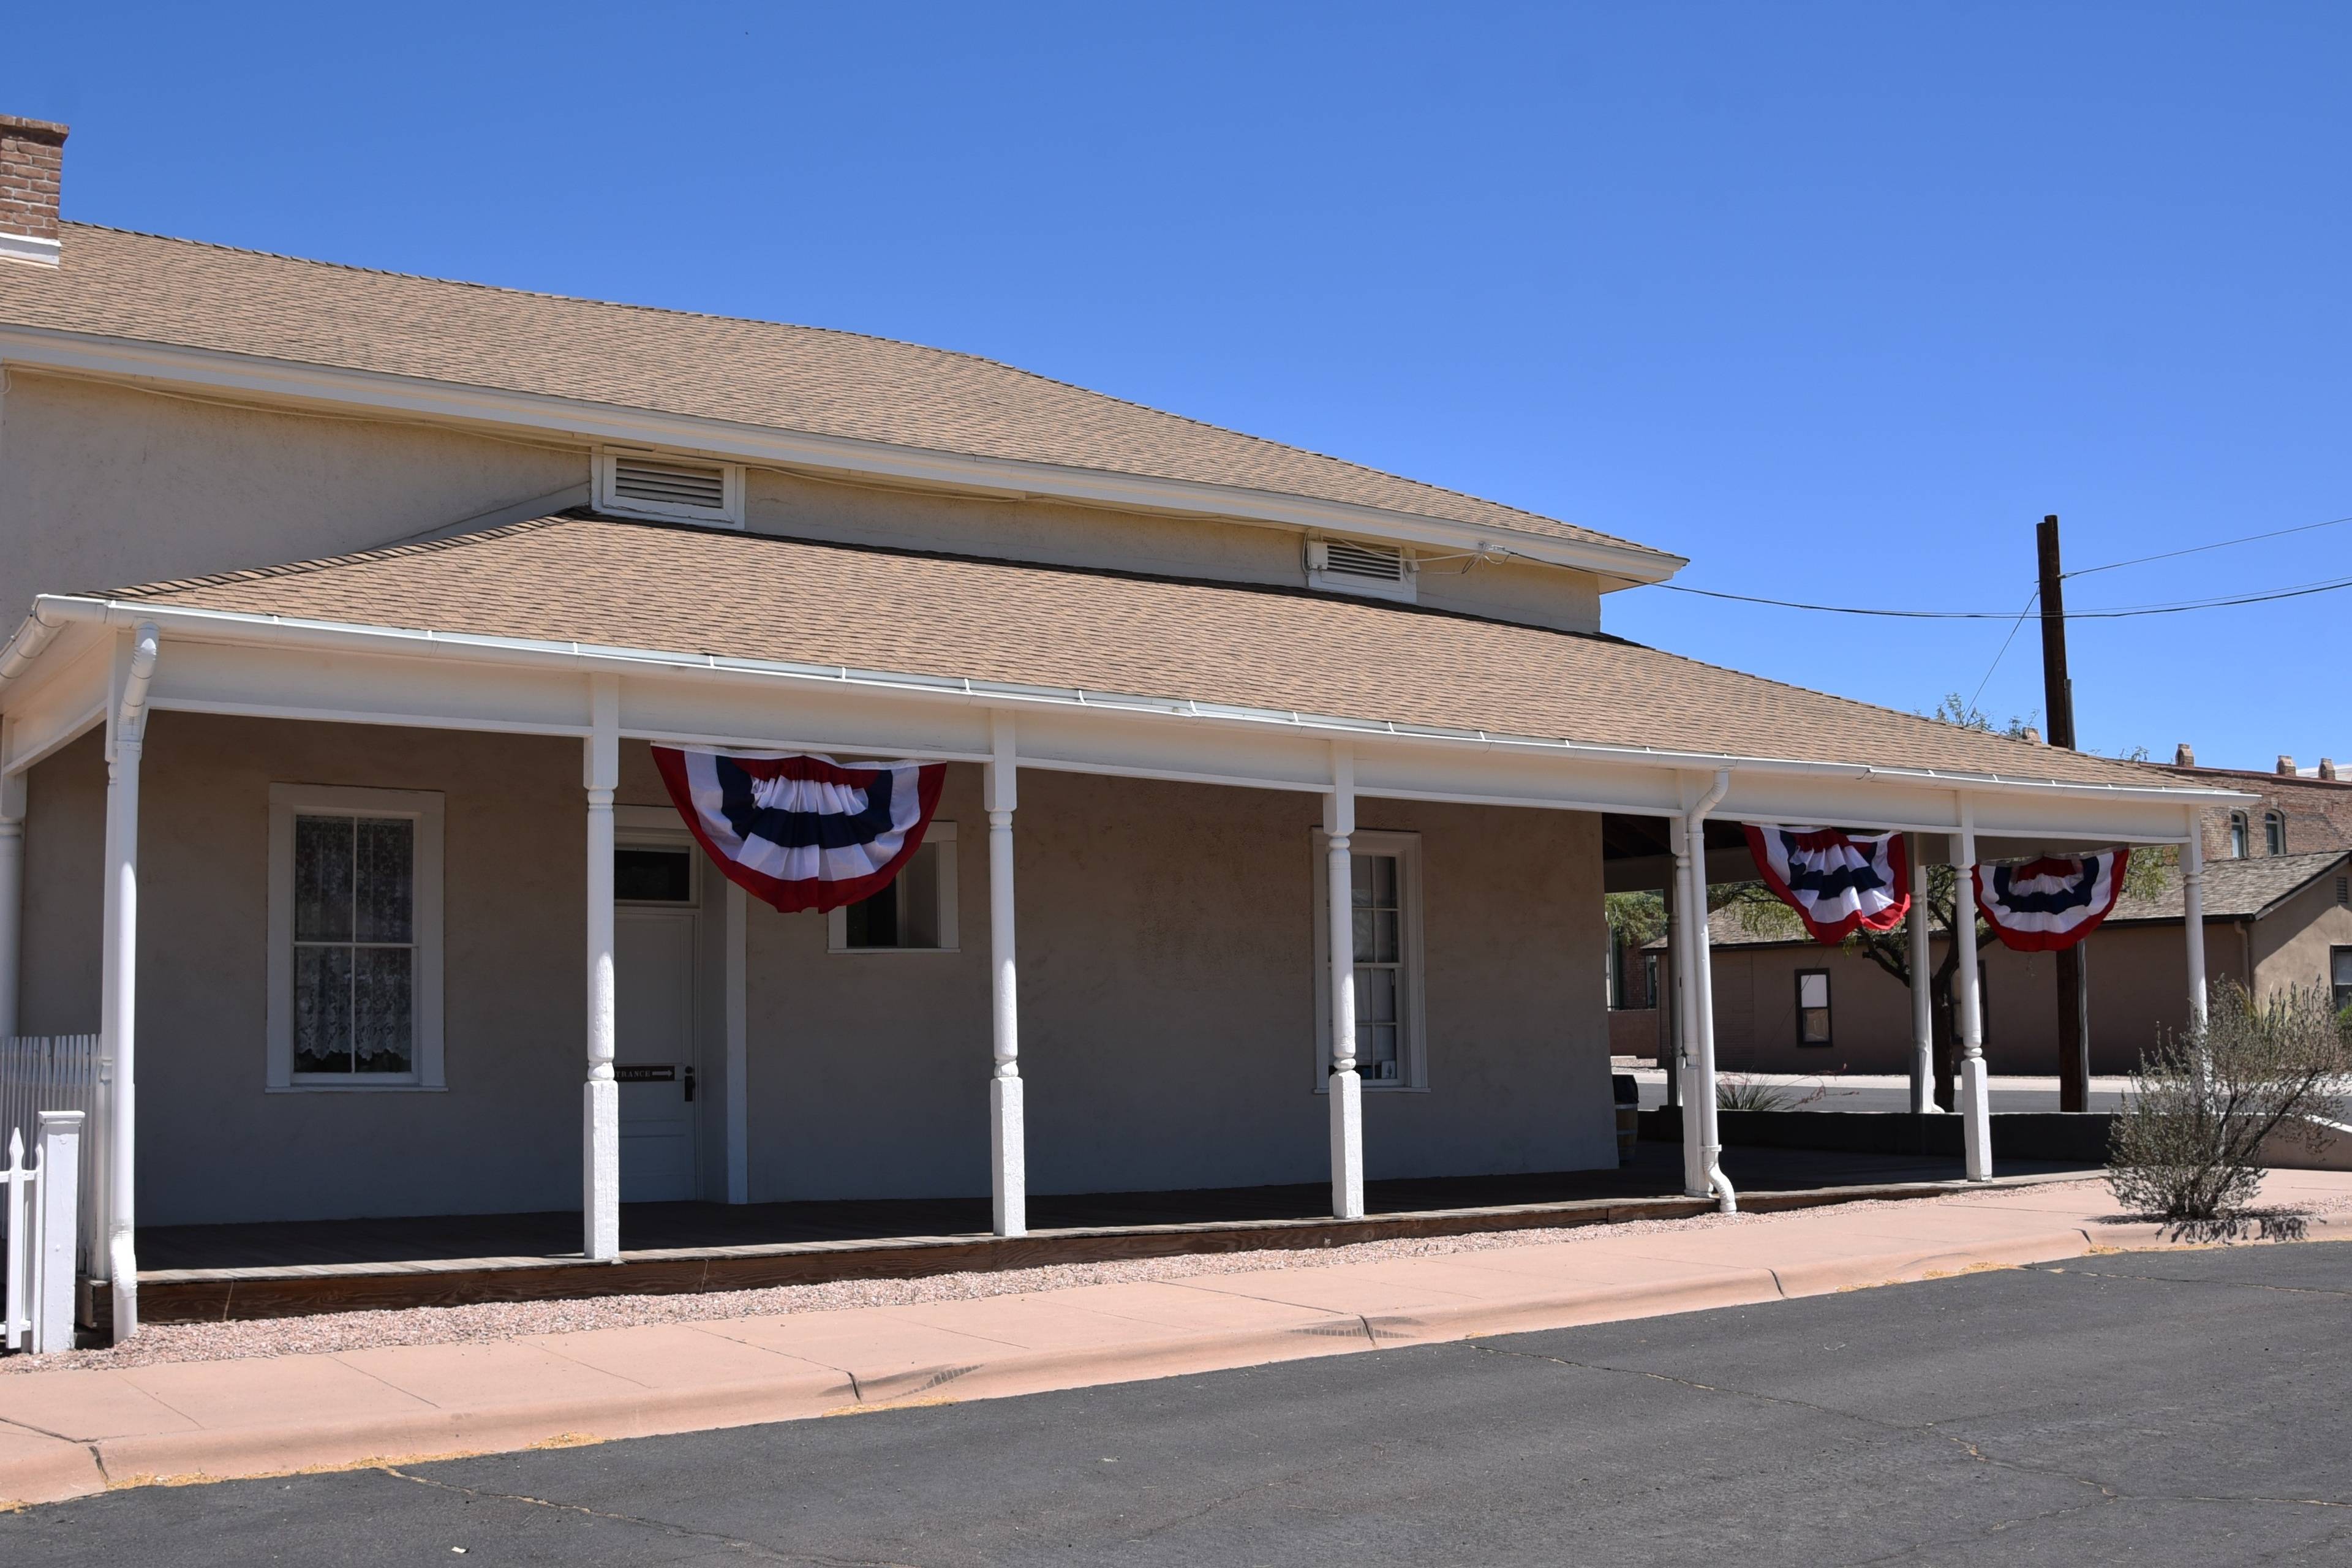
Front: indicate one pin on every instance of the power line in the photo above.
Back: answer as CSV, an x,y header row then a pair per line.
x,y
2004,649
2121,612
2200,549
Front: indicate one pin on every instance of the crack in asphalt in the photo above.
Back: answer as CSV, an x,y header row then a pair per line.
x,y
666,1527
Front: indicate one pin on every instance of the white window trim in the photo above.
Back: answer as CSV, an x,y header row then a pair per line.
x,y
425,807
1412,1053
837,921
657,827
730,515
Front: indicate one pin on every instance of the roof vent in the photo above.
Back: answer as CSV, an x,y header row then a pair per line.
x,y
1353,566
646,484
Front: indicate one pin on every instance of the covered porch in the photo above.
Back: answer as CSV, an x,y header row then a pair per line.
x,y
211,1273
255,650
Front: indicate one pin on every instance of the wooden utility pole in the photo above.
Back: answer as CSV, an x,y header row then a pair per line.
x,y
2058,706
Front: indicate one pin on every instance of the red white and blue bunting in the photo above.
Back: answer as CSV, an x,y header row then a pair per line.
x,y
802,832
2053,901
1836,881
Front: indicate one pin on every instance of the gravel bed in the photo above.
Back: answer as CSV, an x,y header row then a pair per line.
x,y
489,1322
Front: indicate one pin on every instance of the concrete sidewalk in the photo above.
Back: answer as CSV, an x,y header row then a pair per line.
x,y
67,1433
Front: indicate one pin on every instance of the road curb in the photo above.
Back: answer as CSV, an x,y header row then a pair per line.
x,y
37,1467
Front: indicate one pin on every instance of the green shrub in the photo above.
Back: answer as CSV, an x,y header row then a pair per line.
x,y
2186,1144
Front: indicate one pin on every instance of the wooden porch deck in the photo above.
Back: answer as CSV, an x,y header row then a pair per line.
x,y
205,1273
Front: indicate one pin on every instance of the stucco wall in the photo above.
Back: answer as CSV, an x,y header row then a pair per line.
x,y
1167,1009
2138,991
1166,970
104,485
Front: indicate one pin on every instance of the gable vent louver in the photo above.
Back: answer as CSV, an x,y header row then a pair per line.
x,y
653,483
1374,563
1354,566
646,484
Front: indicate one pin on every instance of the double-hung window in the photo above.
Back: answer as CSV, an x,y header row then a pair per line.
x,y
2339,976
1812,1007
1384,915
2237,836
2274,832
354,938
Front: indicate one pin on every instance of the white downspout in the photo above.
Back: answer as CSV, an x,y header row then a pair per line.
x,y
119,970
1702,991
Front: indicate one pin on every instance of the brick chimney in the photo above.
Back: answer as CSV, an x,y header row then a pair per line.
x,y
32,169
2285,766
2184,755
2328,769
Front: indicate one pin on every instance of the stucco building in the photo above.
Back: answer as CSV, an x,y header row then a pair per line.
x,y
351,603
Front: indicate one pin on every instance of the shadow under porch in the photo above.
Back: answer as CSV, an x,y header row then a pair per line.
x,y
275,1268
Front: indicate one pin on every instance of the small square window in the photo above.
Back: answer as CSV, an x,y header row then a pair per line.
x,y
915,913
1812,1007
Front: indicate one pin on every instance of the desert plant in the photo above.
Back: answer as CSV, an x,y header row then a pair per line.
x,y
2186,1145
1735,1093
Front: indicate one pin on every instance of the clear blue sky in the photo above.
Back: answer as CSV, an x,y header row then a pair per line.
x,y
1834,299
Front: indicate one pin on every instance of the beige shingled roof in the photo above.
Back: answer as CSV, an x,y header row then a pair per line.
x,y
692,591
801,379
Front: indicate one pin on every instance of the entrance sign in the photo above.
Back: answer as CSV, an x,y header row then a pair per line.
x,y
1836,881
802,832
2052,901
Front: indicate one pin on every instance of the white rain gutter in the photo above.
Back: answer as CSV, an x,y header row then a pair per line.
x,y
348,637
1702,994
25,647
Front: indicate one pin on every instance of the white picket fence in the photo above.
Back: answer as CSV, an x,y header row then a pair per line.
x,y
39,1208
61,1072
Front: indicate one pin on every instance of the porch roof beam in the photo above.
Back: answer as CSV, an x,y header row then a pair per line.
x,y
238,663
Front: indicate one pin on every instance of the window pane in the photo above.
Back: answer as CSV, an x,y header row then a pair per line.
x,y
382,987
874,922
918,900
652,875
2342,958
1376,1053
1376,996
1812,990
384,857
322,878
322,1009
1814,1027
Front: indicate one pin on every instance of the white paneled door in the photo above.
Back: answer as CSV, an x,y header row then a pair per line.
x,y
654,953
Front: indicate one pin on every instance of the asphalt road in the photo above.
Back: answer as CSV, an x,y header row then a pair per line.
x,y
2144,1409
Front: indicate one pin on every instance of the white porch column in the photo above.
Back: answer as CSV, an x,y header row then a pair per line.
x,y
1008,1149
2192,920
1686,1052
12,880
1923,1002
1976,1097
600,1113
739,1043
1346,1087
1670,1017
126,731
1702,1088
